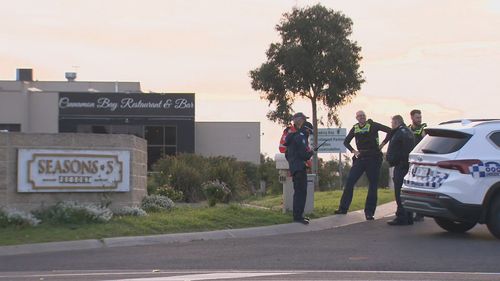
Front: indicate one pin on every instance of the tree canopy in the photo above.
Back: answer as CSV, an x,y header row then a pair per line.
x,y
315,60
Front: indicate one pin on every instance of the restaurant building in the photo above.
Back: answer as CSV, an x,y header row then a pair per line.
x,y
166,120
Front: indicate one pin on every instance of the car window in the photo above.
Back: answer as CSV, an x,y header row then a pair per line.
x,y
495,138
440,141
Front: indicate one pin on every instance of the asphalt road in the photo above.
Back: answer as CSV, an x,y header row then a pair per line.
x,y
364,251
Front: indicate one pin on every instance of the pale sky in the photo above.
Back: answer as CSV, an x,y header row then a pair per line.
x,y
439,56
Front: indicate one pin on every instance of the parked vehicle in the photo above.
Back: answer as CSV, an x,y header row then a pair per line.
x,y
454,175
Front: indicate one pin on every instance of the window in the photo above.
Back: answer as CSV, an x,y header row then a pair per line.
x,y
100,129
495,138
10,127
162,140
440,141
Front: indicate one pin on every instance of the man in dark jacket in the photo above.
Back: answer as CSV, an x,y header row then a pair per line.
x,y
367,158
298,152
400,146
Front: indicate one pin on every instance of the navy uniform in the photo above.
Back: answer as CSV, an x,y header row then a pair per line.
x,y
398,153
298,153
369,161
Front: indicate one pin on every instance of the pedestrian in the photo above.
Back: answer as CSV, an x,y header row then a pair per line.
x,y
417,127
367,159
398,153
298,153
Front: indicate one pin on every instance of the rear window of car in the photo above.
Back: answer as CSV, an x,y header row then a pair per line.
x,y
440,141
495,138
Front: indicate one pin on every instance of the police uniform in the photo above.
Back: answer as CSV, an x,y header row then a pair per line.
x,y
297,155
369,161
418,133
398,153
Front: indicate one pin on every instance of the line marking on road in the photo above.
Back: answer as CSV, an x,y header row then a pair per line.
x,y
210,276
204,272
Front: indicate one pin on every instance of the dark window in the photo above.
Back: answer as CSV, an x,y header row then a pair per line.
x,y
162,140
99,129
155,153
495,138
154,135
440,141
170,135
10,127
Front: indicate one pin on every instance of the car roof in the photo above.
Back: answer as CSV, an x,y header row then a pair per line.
x,y
466,125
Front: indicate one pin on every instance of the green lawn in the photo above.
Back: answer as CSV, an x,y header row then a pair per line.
x,y
181,219
326,202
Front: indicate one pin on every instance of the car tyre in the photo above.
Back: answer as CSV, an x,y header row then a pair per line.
x,y
493,221
454,226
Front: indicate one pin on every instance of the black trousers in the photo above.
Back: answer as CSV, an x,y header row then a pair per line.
x,y
371,165
300,193
400,172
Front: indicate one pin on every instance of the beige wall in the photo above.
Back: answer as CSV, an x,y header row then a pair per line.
x,y
11,142
236,139
65,86
43,113
34,104
37,112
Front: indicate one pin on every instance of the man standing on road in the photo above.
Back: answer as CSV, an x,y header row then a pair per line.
x,y
417,127
368,158
298,152
398,153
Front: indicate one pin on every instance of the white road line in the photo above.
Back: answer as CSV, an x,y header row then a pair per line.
x,y
15,275
210,276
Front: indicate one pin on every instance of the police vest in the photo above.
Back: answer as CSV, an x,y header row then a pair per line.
x,y
362,132
418,132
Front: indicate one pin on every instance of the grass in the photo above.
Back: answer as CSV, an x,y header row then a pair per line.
x,y
182,219
326,202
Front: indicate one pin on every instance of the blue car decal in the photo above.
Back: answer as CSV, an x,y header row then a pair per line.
x,y
483,170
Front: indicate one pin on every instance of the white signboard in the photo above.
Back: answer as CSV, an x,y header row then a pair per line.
x,y
333,139
53,170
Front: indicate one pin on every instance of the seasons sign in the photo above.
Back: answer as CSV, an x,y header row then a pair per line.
x,y
43,170
126,104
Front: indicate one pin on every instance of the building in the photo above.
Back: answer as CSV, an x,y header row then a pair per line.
x,y
165,120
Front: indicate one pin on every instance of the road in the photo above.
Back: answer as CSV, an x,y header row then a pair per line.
x,y
363,251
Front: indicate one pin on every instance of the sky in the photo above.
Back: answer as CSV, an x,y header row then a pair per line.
x,y
440,56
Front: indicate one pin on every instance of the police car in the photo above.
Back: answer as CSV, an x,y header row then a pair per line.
x,y
454,175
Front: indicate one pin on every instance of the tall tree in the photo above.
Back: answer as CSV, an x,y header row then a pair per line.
x,y
315,60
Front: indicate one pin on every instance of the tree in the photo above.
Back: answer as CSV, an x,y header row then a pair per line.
x,y
315,60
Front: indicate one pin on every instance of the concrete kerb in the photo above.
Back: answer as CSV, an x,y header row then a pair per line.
x,y
325,223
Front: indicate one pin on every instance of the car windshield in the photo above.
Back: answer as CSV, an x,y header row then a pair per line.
x,y
440,141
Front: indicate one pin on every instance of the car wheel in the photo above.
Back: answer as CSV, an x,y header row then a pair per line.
x,y
493,221
454,226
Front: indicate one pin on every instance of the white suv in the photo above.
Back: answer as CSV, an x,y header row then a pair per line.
x,y
454,175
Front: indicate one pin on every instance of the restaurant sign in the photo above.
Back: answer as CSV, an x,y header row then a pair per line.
x,y
51,170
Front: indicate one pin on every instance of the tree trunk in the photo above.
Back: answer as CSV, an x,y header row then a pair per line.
x,y
315,140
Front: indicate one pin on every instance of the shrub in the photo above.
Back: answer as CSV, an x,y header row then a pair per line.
x,y
130,211
72,212
186,173
156,203
170,192
17,217
215,191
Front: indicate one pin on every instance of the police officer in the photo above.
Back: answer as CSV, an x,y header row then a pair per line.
x,y
400,146
367,158
417,127
298,152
